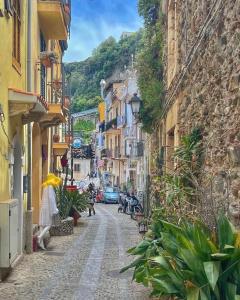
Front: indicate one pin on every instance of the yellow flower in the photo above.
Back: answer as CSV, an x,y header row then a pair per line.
x,y
52,180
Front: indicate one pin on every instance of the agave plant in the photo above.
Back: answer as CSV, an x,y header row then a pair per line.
x,y
189,262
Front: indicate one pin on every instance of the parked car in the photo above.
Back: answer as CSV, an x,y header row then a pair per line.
x,y
99,196
111,195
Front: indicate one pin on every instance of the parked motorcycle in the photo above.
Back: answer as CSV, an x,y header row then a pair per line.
x,y
135,207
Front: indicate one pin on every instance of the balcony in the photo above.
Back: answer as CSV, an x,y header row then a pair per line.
x,y
54,117
54,17
30,106
111,127
121,121
117,153
137,150
106,153
59,149
130,132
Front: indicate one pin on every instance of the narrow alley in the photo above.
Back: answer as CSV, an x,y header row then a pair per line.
x,y
82,266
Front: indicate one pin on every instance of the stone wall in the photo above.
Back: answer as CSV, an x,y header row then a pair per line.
x,y
209,83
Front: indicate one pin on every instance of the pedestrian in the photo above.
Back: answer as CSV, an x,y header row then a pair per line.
x,y
91,200
91,206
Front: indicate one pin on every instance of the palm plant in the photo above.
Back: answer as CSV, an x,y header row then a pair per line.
x,y
188,262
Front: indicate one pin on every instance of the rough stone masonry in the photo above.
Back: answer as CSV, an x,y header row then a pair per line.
x,y
207,88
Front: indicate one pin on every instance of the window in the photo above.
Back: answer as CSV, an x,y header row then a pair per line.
x,y
16,32
76,167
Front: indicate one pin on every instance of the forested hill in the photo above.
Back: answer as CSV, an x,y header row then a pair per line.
x,y
109,56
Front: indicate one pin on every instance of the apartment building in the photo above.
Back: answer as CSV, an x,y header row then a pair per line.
x,y
120,138
33,106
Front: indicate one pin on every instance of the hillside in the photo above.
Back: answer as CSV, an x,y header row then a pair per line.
x,y
108,57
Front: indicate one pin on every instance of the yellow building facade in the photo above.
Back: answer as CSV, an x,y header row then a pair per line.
x,y
33,101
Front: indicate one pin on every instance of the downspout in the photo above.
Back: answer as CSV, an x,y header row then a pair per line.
x,y
29,132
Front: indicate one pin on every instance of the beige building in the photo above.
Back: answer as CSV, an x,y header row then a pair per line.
x,y
123,147
202,84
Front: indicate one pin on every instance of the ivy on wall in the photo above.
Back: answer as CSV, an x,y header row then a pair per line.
x,y
150,63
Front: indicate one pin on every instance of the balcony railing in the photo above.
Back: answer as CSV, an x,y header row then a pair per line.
x,y
117,153
130,132
137,150
106,153
121,121
111,124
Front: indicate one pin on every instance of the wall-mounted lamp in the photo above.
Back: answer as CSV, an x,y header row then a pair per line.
x,y
135,103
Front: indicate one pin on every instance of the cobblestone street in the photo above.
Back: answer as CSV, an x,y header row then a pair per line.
x,y
82,266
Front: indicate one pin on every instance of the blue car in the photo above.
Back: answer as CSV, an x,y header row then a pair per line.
x,y
111,195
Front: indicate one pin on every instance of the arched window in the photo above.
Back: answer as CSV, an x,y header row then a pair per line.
x,y
16,32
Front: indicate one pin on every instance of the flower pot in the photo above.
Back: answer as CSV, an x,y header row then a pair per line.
x,y
71,188
66,102
56,138
68,139
76,216
46,62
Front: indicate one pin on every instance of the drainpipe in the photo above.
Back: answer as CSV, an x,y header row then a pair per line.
x,y
29,132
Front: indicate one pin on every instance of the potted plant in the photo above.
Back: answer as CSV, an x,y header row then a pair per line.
x,y
56,138
47,58
68,138
79,203
63,223
66,102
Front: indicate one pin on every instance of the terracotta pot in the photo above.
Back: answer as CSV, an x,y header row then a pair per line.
x,y
71,188
46,62
57,84
68,139
67,102
76,216
56,138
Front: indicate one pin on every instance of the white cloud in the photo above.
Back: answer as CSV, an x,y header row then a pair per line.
x,y
88,34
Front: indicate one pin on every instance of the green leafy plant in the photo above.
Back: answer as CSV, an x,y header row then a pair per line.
x,y
188,262
150,64
79,201
64,204
70,199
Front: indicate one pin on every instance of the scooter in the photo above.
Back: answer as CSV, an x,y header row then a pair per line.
x,y
135,207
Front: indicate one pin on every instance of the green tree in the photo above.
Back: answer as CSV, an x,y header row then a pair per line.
x,y
108,57
85,127
150,63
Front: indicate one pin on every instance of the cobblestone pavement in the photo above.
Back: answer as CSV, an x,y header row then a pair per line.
x,y
83,266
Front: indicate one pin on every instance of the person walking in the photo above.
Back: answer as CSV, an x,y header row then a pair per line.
x,y
91,200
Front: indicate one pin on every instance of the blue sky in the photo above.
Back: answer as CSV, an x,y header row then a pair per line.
x,y
95,20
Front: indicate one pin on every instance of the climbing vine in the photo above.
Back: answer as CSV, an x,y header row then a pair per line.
x,y
150,63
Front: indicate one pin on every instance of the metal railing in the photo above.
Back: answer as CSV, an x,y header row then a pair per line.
x,y
117,153
111,124
130,132
121,121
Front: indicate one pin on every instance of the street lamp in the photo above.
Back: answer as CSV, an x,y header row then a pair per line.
x,y
135,103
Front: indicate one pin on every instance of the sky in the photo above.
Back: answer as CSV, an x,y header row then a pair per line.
x,y
95,20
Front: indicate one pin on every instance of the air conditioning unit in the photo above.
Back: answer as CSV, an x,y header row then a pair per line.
x,y
8,232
